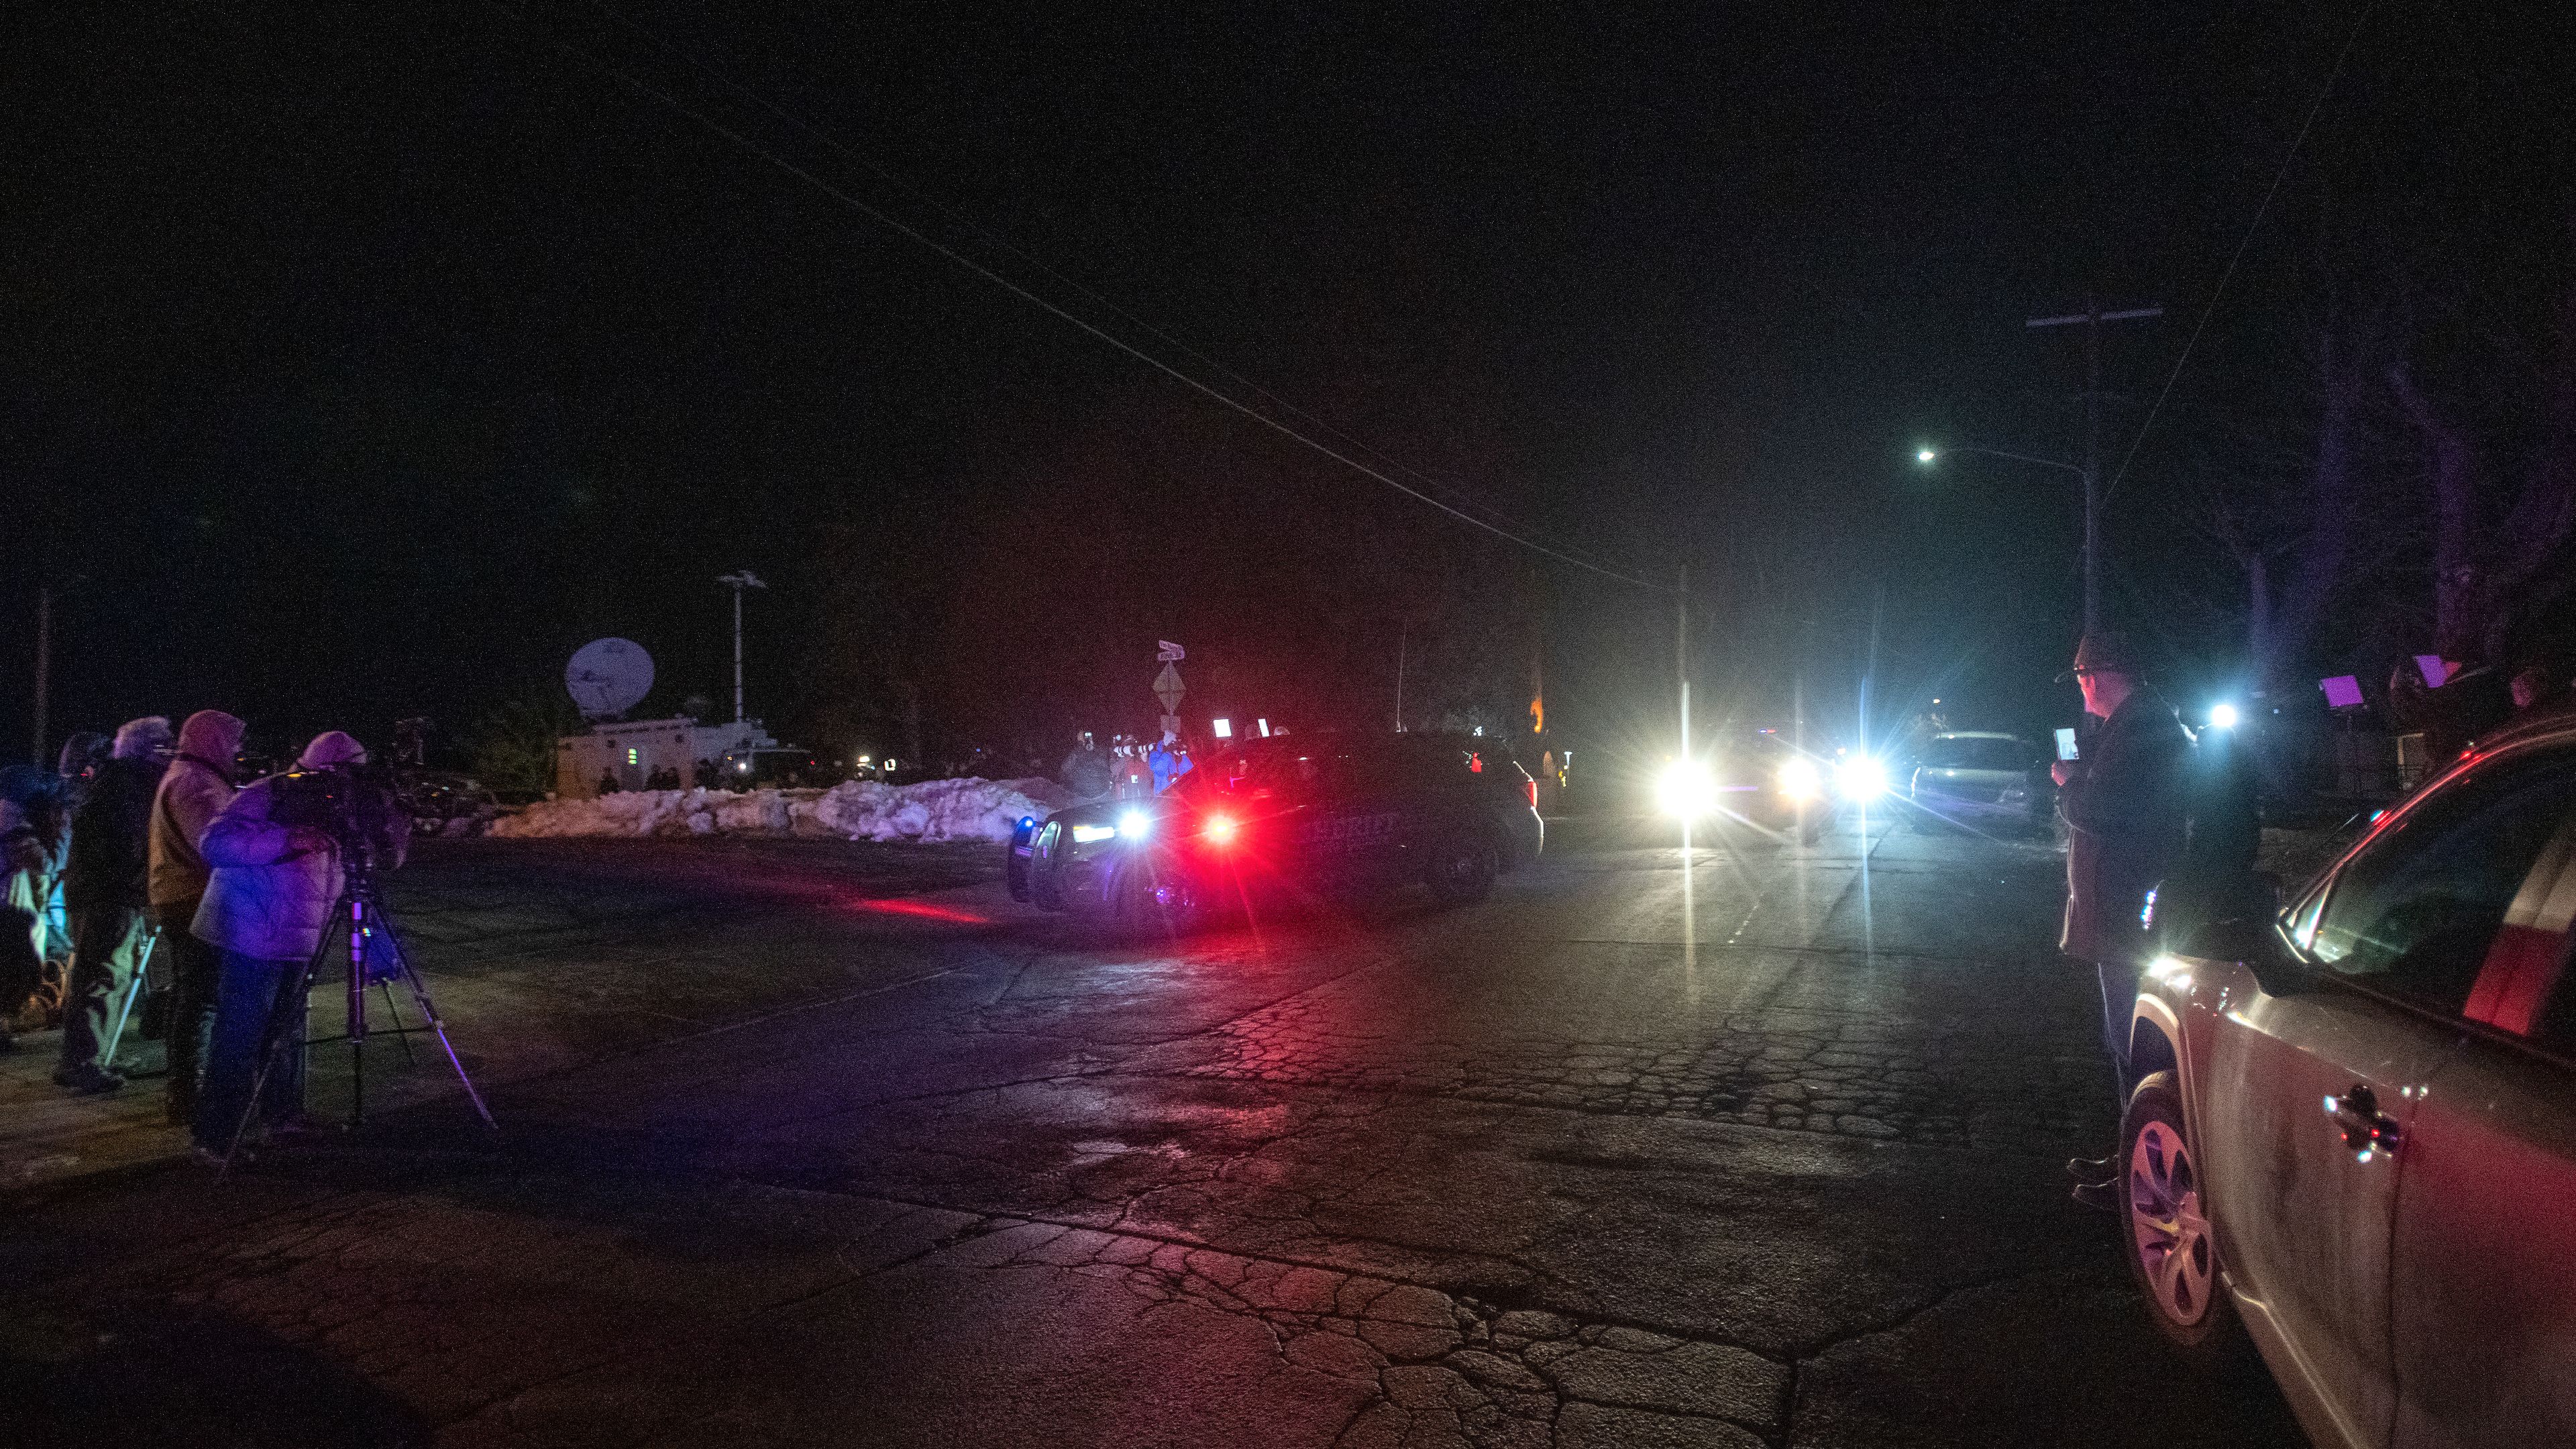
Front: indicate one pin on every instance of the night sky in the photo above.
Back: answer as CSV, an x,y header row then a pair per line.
x,y
362,363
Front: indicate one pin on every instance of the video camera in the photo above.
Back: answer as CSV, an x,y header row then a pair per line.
x,y
354,804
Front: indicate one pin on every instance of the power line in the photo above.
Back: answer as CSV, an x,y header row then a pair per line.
x,y
2247,240
991,238
745,143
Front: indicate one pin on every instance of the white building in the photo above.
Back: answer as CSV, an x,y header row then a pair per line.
x,y
632,750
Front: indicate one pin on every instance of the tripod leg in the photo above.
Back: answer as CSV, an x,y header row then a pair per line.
x,y
385,985
125,1009
428,1010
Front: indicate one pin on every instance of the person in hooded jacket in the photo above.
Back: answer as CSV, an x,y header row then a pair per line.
x,y
106,887
193,791
35,831
268,900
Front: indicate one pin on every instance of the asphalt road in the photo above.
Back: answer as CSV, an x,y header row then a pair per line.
x,y
805,1143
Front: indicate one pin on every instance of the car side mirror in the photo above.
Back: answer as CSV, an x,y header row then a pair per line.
x,y
2230,918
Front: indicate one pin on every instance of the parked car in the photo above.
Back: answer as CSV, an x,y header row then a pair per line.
x,y
2355,1135
1980,777
1294,815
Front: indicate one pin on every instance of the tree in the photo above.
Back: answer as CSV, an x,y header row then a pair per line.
x,y
2495,562
513,746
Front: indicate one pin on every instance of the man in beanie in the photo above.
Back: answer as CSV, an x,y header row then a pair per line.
x,y
268,901
2127,805
193,791
105,889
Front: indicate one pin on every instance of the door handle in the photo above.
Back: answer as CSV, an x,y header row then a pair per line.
x,y
2367,1132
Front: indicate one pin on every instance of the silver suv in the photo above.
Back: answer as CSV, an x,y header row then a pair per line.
x,y
2355,1133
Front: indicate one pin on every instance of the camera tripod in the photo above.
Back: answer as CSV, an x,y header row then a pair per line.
x,y
375,957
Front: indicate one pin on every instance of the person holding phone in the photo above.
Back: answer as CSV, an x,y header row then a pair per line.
x,y
2128,810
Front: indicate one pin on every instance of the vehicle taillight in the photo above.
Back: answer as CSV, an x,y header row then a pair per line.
x,y
1533,792
1220,830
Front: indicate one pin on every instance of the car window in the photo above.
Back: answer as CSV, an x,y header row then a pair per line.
x,y
1976,754
2414,912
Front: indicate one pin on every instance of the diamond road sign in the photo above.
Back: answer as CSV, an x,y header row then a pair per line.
x,y
1167,688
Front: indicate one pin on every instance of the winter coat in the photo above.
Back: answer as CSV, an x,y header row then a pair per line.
x,y
193,791
1086,774
2127,807
265,897
111,854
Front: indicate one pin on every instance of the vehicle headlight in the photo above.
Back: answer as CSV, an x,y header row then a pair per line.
x,y
1799,780
1861,778
1093,834
1135,825
1685,790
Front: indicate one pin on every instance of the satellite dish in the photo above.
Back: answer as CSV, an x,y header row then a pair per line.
x,y
607,676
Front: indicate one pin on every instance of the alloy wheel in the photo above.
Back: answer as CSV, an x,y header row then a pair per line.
x,y
2166,1228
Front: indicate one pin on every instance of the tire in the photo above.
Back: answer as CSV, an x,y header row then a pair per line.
x,y
1462,872
1156,901
2164,1224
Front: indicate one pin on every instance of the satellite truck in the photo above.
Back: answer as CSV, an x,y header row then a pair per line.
x,y
608,677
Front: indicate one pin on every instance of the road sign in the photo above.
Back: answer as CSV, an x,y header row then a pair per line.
x,y
1167,652
1172,725
1167,688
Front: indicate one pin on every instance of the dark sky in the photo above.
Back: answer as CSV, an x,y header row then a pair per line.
x,y
364,362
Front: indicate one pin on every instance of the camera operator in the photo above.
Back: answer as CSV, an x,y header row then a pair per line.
x,y
277,873
193,791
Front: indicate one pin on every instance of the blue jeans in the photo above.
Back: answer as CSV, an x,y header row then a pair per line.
x,y
250,995
2119,1004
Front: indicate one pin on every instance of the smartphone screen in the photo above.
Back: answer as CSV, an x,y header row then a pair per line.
x,y
2066,744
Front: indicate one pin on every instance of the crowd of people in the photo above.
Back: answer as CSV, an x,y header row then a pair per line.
x,y
148,886
1129,769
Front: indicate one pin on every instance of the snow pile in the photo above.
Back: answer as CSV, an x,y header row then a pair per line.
x,y
967,809
931,811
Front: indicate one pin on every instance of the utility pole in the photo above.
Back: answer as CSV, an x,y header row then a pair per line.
x,y
738,581
1403,632
2093,317
1681,653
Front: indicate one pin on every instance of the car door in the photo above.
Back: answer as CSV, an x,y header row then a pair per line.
x,y
2296,1085
2484,1291
1358,829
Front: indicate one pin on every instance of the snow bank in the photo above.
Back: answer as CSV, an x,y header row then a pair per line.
x,y
931,811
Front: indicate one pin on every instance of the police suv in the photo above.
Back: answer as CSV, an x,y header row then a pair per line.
x,y
1295,815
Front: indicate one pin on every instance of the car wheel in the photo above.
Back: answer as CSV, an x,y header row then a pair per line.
x,y
1463,872
1156,899
2172,1253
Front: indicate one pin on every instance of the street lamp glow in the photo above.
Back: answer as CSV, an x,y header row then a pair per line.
x,y
2222,717
1924,455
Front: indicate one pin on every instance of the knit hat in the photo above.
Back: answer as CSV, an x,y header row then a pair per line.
x,y
139,739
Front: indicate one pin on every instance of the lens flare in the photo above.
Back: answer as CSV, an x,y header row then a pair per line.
x,y
1685,790
1800,781
1220,830
1135,825
1861,778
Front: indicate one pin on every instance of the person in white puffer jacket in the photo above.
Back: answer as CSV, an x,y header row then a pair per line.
x,y
268,901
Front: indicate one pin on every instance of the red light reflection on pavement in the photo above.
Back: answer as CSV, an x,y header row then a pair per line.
x,y
919,910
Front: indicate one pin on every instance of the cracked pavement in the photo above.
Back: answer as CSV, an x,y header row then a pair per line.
x,y
807,1146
